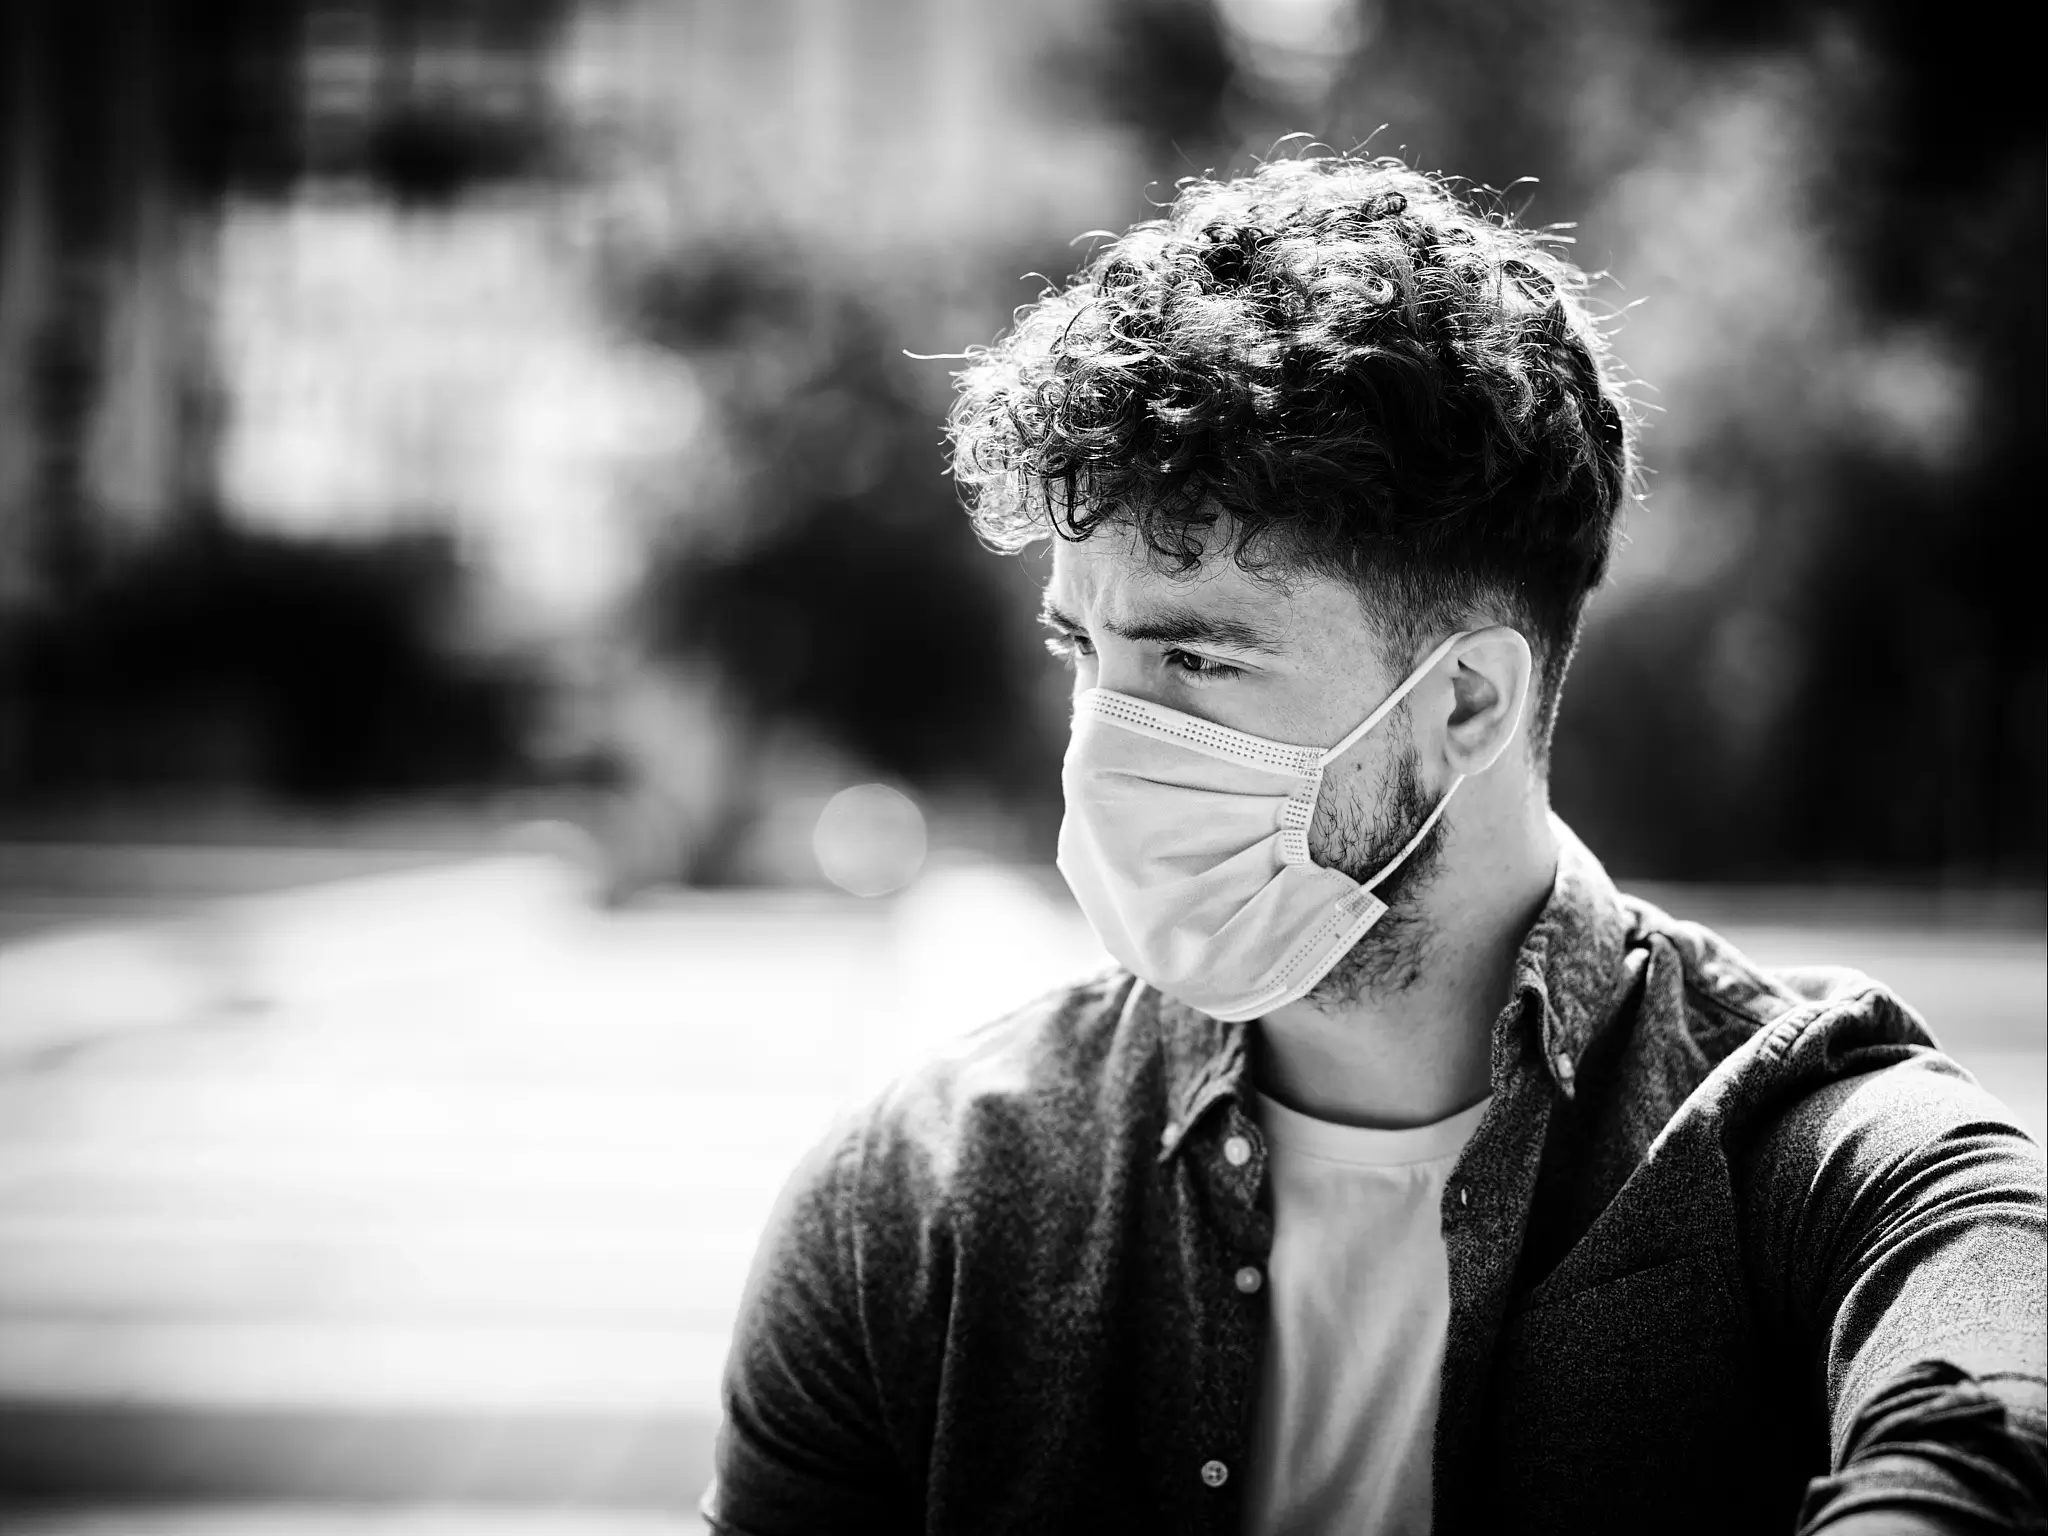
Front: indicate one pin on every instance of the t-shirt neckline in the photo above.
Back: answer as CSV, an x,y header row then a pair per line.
x,y
1290,1130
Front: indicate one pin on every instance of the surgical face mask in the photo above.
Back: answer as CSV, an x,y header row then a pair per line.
x,y
1186,844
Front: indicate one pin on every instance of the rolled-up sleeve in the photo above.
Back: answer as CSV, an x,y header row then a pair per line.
x,y
1900,1214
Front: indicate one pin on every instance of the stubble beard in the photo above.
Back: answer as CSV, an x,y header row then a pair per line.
x,y
1359,841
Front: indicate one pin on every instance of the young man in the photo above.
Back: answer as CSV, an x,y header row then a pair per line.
x,y
1404,1176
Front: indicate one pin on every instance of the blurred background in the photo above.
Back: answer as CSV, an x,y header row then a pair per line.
x,y
503,730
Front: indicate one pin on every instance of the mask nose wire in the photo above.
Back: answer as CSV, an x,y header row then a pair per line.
x,y
1408,685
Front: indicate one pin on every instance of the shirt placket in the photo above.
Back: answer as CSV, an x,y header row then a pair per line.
x,y
1230,1155
1485,1217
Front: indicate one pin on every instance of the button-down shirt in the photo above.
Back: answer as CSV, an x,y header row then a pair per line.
x,y
1730,1251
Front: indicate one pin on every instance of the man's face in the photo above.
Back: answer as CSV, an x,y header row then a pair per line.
x,y
1298,663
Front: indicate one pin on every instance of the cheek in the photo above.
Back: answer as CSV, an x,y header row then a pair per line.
x,y
1360,779
1359,798
1342,800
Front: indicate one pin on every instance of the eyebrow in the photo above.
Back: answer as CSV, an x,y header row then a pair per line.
x,y
1175,625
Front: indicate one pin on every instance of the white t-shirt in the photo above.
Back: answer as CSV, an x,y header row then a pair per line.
x,y
1358,1302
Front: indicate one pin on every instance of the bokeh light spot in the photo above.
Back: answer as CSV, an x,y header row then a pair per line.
x,y
870,840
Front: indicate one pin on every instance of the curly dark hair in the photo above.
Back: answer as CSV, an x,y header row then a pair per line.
x,y
1372,379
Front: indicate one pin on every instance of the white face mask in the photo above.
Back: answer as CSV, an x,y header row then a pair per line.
x,y
1186,844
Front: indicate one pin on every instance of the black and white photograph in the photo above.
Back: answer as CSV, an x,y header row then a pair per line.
x,y
1022,768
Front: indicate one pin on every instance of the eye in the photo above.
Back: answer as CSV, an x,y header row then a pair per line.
x,y
1202,668
1068,646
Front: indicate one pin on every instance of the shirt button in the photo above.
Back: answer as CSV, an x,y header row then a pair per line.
x,y
1249,1279
1565,1068
1166,1136
1236,1152
1215,1474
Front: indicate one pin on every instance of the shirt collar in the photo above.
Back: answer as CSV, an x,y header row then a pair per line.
x,y
1569,982
1569,974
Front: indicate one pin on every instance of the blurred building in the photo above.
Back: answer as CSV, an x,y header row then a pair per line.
x,y
342,254
127,125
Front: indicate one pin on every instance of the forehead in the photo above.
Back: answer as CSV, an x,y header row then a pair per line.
x,y
1112,579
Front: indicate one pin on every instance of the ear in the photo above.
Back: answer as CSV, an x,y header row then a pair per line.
x,y
1492,671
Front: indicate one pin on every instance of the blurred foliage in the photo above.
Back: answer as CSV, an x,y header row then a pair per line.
x,y
253,95
228,660
826,573
1815,659
1860,693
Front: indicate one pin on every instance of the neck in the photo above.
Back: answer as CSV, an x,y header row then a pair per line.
x,y
1412,1055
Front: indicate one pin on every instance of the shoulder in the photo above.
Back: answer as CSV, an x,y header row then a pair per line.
x,y
1844,1131
1808,1058
1783,1021
966,1151
1020,1096
1048,1068
1719,979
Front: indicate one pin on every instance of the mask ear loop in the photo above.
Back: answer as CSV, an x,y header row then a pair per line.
x,y
1415,842
1408,685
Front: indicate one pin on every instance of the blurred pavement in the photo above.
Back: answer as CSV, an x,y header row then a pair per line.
x,y
398,1193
